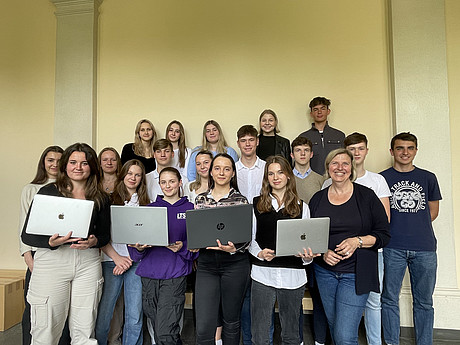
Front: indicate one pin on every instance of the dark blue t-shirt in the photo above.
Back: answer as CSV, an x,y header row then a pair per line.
x,y
410,224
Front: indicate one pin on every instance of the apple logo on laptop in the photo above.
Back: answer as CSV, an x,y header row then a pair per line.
x,y
61,216
220,226
303,237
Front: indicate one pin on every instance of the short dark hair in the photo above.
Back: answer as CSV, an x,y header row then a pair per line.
x,y
247,130
355,138
319,100
406,136
299,141
161,144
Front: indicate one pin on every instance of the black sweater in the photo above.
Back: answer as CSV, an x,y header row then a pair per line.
x,y
374,222
99,225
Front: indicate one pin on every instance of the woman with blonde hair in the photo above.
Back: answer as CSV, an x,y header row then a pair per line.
x,y
214,141
270,143
175,133
67,277
274,278
145,136
200,185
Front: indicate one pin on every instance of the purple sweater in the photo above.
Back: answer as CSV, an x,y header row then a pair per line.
x,y
160,262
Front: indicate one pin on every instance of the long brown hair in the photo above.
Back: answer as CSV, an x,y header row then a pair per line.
x,y
292,206
138,148
121,194
42,176
197,183
181,143
92,187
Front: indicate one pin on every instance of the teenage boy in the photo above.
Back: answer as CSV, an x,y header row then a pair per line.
x,y
250,173
356,143
307,181
414,204
250,168
324,138
163,153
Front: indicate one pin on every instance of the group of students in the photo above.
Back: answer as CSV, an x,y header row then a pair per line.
x,y
70,289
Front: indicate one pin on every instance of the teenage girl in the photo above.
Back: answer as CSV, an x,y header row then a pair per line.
x,y
117,267
110,167
142,148
67,277
175,133
274,278
270,143
213,140
223,271
47,170
164,269
200,185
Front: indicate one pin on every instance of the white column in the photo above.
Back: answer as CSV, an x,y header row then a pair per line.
x,y
420,89
76,62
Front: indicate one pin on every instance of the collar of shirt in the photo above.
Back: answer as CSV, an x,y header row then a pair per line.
x,y
258,164
299,175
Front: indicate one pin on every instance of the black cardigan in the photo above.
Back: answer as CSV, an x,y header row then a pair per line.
x,y
99,225
282,147
374,222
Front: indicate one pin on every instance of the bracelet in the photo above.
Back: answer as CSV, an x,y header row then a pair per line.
x,y
360,241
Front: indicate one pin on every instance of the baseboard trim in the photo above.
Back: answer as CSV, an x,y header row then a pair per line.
x,y
439,334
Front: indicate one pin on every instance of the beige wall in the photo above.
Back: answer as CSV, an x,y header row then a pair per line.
x,y
27,58
228,61
453,66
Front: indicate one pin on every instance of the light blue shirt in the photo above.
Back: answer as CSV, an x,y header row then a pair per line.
x,y
299,175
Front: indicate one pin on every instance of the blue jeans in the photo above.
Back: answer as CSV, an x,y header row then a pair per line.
x,y
343,307
132,330
422,270
372,314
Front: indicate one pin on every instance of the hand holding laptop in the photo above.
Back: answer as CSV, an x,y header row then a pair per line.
x,y
229,248
175,247
140,247
57,240
267,254
82,244
307,255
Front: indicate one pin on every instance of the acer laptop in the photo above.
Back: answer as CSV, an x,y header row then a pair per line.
x,y
231,223
292,235
143,225
53,214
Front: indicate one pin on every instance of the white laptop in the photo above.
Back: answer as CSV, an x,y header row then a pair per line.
x,y
143,225
53,214
292,235
231,223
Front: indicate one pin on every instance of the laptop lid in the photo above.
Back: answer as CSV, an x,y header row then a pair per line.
x,y
293,235
143,225
230,223
53,214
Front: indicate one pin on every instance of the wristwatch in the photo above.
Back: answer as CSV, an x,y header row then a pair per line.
x,y
360,241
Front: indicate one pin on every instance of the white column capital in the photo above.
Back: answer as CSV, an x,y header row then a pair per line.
x,y
69,7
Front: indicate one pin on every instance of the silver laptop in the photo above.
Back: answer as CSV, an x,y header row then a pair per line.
x,y
293,235
51,215
231,223
143,224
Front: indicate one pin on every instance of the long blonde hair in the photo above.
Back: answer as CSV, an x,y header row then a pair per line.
x,y
221,143
137,145
195,185
292,206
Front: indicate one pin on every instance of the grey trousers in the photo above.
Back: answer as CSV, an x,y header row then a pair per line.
x,y
163,303
263,299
